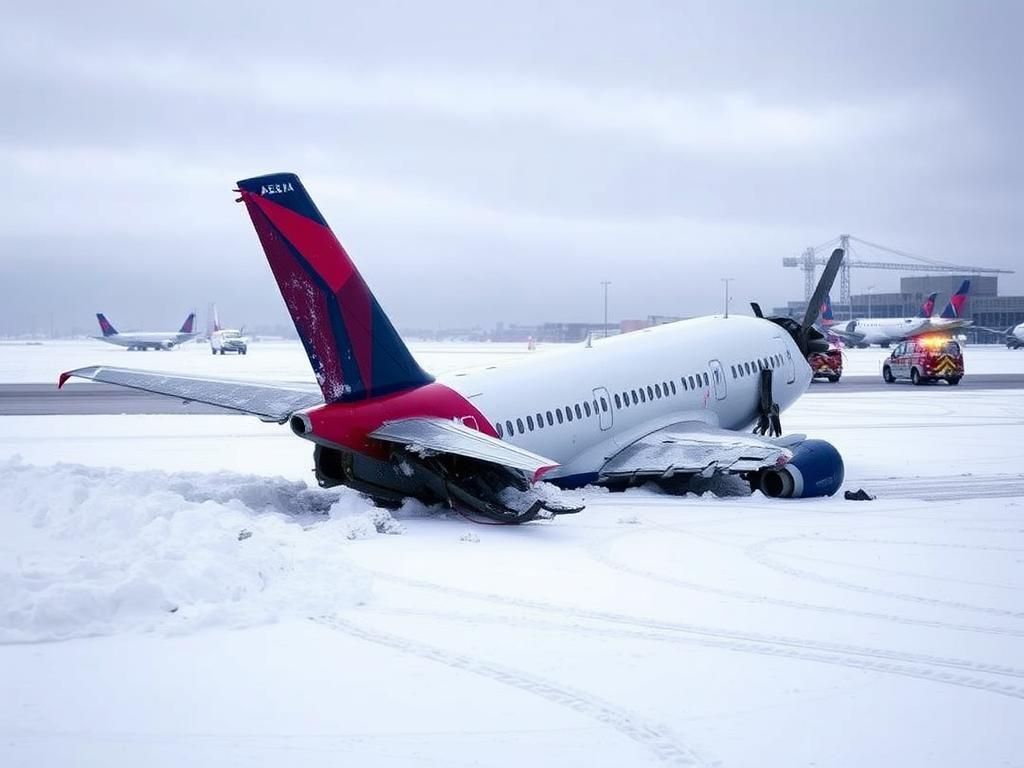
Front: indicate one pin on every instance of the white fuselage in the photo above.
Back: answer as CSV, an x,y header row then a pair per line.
x,y
148,339
885,330
668,361
1018,333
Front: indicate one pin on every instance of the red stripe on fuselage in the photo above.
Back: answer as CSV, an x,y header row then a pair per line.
x,y
350,424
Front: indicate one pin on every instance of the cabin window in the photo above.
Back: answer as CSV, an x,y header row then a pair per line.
x,y
586,407
501,432
733,368
650,392
604,405
657,390
664,388
594,403
618,402
579,411
551,420
558,415
693,385
635,399
568,412
643,397
707,380
673,385
540,420
508,428
519,423
746,367
683,382
529,422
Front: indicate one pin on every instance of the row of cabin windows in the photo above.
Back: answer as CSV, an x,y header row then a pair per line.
x,y
752,367
630,397
583,410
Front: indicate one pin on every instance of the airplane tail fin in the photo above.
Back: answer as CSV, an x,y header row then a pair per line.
x,y
105,326
929,305
827,318
189,323
954,308
354,350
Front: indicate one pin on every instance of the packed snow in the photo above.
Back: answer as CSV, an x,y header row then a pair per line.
x,y
175,590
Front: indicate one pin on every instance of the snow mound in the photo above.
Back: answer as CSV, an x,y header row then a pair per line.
x,y
100,551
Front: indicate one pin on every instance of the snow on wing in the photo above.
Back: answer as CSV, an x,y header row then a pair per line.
x,y
272,402
444,436
693,447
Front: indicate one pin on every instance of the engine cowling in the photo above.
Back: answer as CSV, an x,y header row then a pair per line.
x,y
816,469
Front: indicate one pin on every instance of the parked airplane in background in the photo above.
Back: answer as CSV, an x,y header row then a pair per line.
x,y
863,332
666,404
1014,335
143,340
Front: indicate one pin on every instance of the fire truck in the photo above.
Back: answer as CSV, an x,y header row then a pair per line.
x,y
924,359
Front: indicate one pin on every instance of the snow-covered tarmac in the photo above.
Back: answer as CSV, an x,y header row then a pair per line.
x,y
172,592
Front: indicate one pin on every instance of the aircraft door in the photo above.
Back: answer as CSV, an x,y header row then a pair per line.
x,y
718,379
603,403
788,364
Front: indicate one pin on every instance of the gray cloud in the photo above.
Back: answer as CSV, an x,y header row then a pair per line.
x,y
484,164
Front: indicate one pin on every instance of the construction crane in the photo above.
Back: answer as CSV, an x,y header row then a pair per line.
x,y
809,259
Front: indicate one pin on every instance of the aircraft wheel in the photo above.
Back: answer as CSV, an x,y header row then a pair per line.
x,y
915,377
887,375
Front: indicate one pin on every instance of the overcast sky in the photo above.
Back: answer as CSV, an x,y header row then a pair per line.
x,y
486,162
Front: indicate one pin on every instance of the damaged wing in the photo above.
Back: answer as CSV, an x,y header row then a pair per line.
x,y
452,437
271,402
696,448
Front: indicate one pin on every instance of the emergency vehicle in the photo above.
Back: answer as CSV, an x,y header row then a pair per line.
x,y
925,358
827,365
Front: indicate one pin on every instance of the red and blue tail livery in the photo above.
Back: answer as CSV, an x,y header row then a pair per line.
x,y
355,351
929,305
827,318
105,326
187,326
954,309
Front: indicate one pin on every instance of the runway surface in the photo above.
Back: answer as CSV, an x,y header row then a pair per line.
x,y
39,399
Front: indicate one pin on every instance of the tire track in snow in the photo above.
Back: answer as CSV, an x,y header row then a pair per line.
x,y
759,553
602,556
741,638
946,488
881,665
654,736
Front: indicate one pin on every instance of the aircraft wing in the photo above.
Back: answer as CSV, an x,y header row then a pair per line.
x,y
848,336
437,435
943,327
271,402
696,448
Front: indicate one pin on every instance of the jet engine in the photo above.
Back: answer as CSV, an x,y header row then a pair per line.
x,y
816,469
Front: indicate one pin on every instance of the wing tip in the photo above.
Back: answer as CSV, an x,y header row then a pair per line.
x,y
541,471
63,378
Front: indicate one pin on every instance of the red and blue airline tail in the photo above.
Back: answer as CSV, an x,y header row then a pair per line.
x,y
955,307
827,318
929,305
189,323
355,351
105,326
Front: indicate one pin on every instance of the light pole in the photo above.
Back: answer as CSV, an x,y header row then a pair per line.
x,y
605,284
869,289
727,280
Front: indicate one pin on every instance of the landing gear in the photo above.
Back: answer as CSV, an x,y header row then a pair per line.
x,y
768,422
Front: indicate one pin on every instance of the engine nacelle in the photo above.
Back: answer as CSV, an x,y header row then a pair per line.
x,y
816,469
